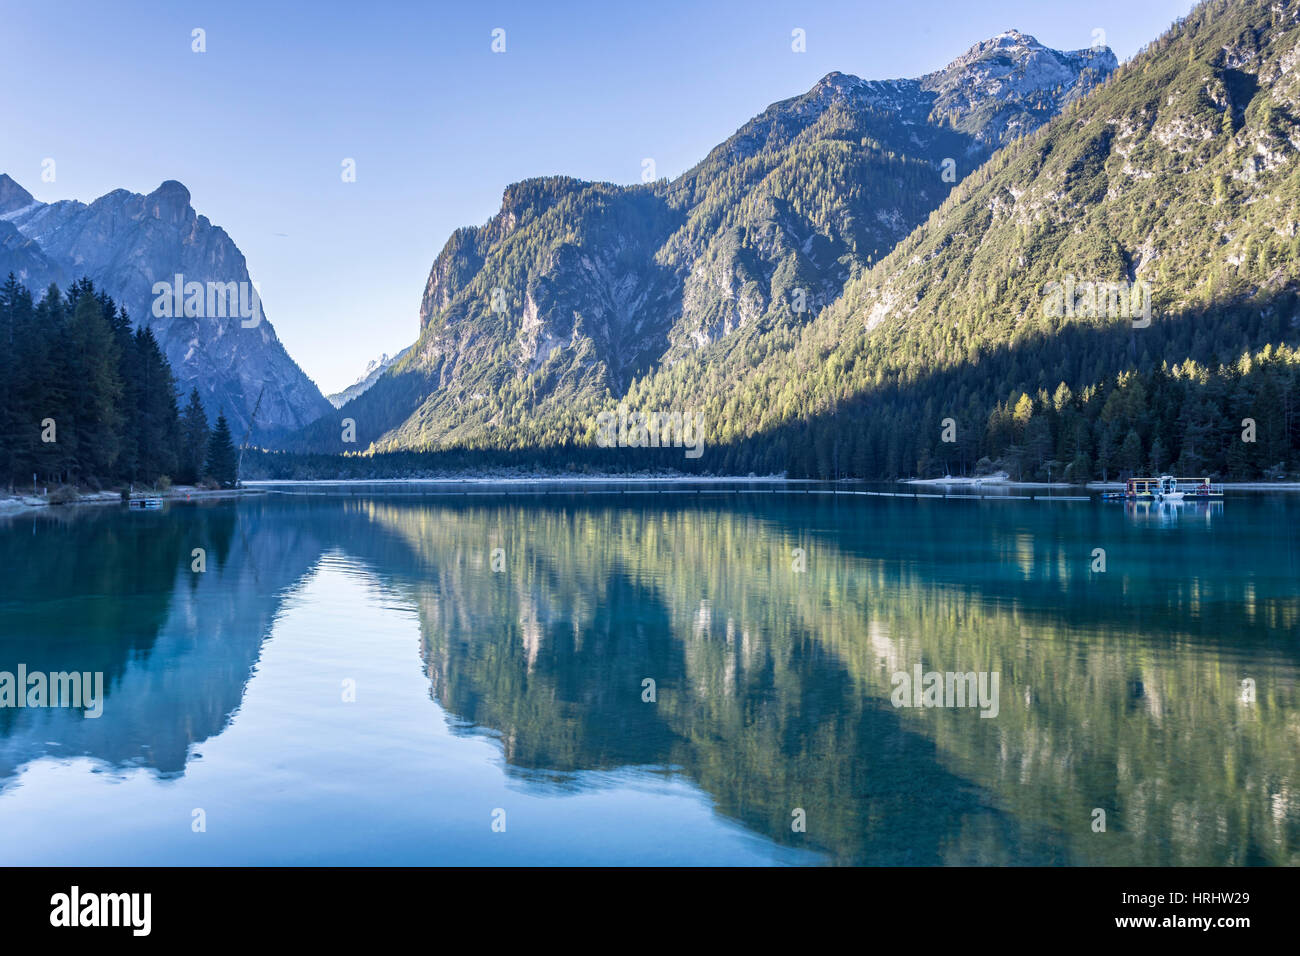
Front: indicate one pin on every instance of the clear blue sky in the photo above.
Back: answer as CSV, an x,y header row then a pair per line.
x,y
258,125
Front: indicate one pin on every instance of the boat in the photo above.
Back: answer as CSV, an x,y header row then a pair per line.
x,y
145,504
1165,488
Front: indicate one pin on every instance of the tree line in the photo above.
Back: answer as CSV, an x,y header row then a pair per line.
x,y
86,400
1238,420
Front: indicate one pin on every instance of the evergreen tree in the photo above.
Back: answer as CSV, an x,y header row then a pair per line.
x,y
82,398
222,463
156,425
1159,458
132,442
95,388
10,338
1130,453
194,441
43,385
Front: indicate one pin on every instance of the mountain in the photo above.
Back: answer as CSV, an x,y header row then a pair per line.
x,y
13,198
1008,86
374,369
126,242
26,260
575,290
1176,183
18,254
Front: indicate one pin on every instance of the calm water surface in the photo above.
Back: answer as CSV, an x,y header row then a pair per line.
x,y
520,690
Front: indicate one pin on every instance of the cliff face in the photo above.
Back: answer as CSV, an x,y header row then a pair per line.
x,y
127,242
576,290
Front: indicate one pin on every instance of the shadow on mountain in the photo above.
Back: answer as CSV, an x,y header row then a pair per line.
x,y
895,429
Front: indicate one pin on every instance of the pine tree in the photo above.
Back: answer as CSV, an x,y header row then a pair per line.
x,y
132,448
1130,453
43,373
9,338
1159,457
194,441
156,425
81,396
95,389
221,462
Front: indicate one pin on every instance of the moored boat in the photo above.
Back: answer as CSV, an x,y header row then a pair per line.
x,y
1165,488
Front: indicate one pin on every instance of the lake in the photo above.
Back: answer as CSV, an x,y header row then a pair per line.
x,y
655,674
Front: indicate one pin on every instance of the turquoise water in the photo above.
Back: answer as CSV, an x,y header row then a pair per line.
x,y
351,681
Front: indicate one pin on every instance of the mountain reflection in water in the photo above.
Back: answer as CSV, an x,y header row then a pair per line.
x,y
522,688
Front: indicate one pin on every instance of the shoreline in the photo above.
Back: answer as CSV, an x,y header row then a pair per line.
x,y
1001,481
11,505
531,480
25,504
992,482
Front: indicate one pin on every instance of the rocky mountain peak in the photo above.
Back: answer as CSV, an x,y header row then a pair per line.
x,y
1014,63
1012,45
126,242
13,196
170,202
1007,85
836,82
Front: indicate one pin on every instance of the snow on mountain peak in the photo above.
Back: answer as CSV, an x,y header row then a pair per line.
x,y
1020,75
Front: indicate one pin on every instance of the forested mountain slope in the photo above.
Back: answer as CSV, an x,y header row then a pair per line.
x,y
1178,178
574,289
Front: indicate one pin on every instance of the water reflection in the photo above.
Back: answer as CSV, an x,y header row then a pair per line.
x,y
1120,690
1165,512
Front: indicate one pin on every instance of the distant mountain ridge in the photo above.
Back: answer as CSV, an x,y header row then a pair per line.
x,y
126,242
576,290
374,369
